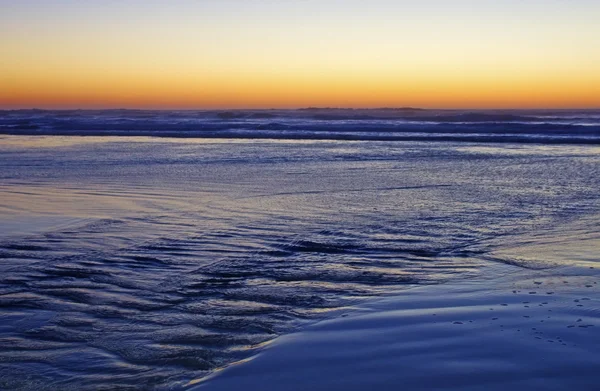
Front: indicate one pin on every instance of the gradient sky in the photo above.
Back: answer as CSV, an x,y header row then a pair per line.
x,y
295,53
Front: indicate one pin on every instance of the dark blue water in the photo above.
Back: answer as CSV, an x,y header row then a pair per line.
x,y
407,124
143,263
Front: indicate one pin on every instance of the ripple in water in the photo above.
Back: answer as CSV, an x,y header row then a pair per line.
x,y
148,264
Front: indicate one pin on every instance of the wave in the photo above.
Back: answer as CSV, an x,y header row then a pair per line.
x,y
409,124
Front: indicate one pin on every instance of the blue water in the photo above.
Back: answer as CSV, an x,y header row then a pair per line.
x,y
541,126
138,263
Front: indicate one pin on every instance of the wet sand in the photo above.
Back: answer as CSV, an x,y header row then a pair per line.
x,y
525,330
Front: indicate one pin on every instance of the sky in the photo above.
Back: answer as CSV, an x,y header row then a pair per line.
x,y
296,53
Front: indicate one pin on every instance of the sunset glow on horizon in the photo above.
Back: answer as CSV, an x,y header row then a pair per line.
x,y
278,54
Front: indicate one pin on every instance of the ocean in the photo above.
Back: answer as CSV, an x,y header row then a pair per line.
x,y
143,249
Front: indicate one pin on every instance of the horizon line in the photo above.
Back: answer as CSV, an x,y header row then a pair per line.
x,y
300,108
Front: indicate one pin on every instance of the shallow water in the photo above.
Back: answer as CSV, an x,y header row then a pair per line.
x,y
509,329
137,263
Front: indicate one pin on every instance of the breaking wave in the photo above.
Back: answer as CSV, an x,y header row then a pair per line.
x,y
552,127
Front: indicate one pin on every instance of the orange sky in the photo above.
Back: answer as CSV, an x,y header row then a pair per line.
x,y
233,54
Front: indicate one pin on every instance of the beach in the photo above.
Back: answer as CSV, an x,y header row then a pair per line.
x,y
536,330
157,263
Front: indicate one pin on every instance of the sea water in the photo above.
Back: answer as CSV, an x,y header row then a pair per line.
x,y
144,262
